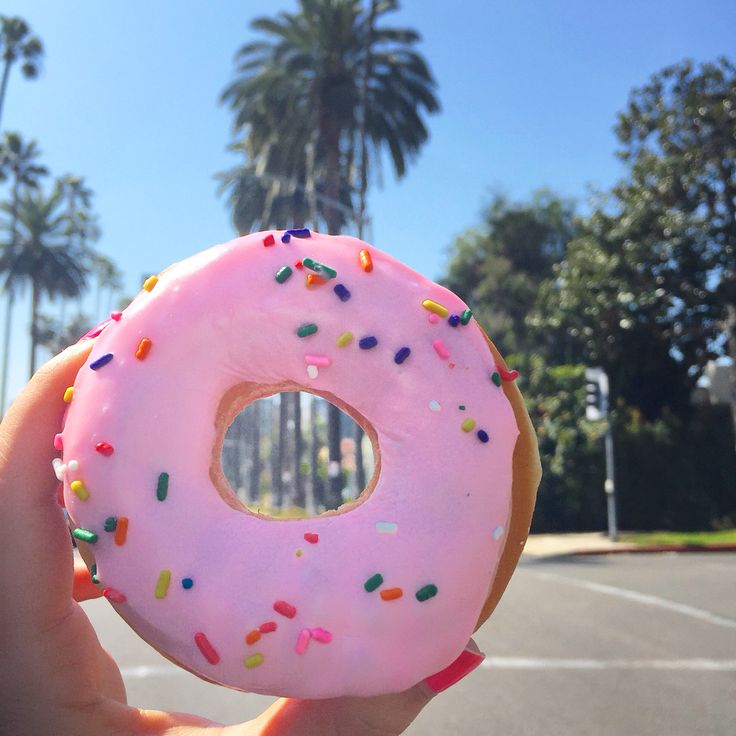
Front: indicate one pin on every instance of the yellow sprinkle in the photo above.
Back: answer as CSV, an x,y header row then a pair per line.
x,y
467,425
79,489
299,552
436,308
69,395
162,586
345,339
150,282
253,661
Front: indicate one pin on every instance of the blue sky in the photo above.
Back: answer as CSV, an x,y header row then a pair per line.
x,y
128,98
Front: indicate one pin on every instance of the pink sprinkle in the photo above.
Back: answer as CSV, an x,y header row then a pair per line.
x,y
116,316
209,652
58,442
303,641
321,635
114,595
267,627
285,609
441,349
433,318
321,361
311,537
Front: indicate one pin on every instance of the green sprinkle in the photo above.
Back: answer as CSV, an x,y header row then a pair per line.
x,y
111,524
319,268
306,330
461,407
465,317
84,535
283,273
373,582
93,574
253,661
427,592
162,487
162,584
496,378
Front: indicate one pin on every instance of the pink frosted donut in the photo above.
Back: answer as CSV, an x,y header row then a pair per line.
x,y
367,600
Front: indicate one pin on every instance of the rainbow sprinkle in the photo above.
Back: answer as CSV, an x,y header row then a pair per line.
x,y
162,584
342,292
208,651
104,448
401,355
253,661
496,378
162,486
69,395
465,317
114,595
426,592
391,594
345,339
79,490
302,641
252,637
101,362
366,343
319,268
373,582
312,371
285,609
187,583
434,405
454,320
307,329
441,349
467,425
111,523
432,306
482,435
144,347
498,533
508,375
386,527
121,531
366,262
150,282
84,535
268,240
311,537
321,635
321,361
267,627
283,274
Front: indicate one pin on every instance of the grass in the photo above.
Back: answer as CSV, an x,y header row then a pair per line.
x,y
695,539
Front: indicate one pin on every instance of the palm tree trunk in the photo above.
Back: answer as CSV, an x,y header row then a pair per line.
x,y
255,465
275,467
34,328
359,462
281,450
4,87
317,495
299,500
6,350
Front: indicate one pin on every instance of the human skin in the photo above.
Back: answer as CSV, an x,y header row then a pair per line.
x,y
55,677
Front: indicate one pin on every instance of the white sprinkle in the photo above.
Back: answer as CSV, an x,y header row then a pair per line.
x,y
73,465
386,527
434,405
59,468
312,371
498,532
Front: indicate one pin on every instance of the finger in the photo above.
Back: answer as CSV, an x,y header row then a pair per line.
x,y
83,588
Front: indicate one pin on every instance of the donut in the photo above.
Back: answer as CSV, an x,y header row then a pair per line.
x,y
368,599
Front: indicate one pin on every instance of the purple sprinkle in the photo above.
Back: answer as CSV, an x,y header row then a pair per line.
x,y
482,435
454,320
100,362
342,292
367,343
402,355
297,232
286,237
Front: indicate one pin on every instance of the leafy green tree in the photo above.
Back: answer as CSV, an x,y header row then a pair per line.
x,y
56,335
17,44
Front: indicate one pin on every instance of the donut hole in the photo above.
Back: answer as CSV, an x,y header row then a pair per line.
x,y
292,454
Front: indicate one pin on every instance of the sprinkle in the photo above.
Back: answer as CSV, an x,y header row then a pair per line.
x,y
268,240
321,361
93,574
144,347
434,405
298,551
299,265
319,268
373,582
321,635
314,279
114,595
84,535
299,232
312,371
426,592
311,537
116,316
162,486
498,533
285,609
401,355
162,584
508,375
433,318
58,442
150,282
496,378
104,448
482,435
431,306
209,652
253,636
342,292
461,407
187,583
450,365
111,523
59,468
366,343
454,320
73,465
121,532
302,641
69,395
286,237
441,349
465,317
268,627
283,274
366,262
345,339
101,362
391,594
386,527
467,425
253,661
306,329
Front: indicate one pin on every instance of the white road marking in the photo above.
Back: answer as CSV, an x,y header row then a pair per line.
x,y
648,600
551,663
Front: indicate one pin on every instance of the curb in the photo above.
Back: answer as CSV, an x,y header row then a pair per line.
x,y
651,549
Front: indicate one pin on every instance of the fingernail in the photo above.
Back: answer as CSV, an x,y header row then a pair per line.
x,y
462,666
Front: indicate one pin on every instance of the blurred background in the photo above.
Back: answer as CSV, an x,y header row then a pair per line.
x,y
568,168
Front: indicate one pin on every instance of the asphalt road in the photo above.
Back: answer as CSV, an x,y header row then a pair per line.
x,y
594,646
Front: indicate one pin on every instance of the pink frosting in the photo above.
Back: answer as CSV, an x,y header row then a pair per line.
x,y
431,525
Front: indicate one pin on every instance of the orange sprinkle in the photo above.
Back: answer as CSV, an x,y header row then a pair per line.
x,y
69,395
144,347
253,636
390,594
121,530
366,261
314,279
150,282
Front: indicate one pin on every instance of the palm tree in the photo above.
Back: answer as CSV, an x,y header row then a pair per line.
x,y
107,275
17,44
19,161
42,255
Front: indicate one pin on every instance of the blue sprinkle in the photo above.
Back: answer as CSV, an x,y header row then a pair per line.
x,y
100,362
367,343
482,435
402,355
454,320
286,237
187,583
299,232
342,292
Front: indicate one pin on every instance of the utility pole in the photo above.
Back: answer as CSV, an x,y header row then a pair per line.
x,y
596,409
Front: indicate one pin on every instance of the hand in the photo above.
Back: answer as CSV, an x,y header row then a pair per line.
x,y
55,677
